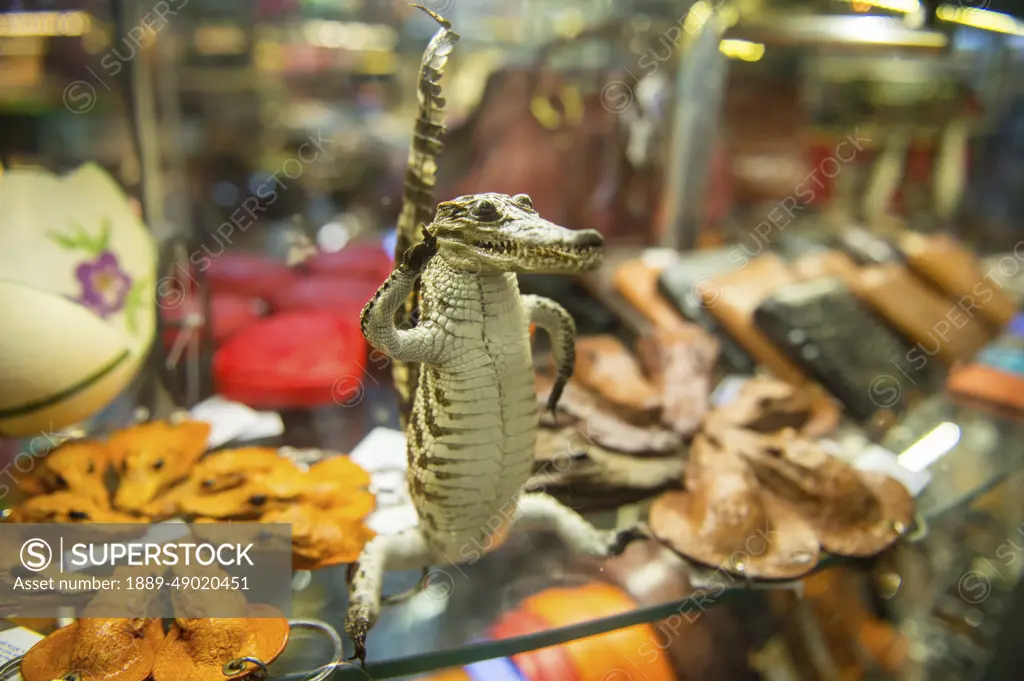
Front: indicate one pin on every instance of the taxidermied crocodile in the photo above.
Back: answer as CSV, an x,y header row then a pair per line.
x,y
420,177
471,434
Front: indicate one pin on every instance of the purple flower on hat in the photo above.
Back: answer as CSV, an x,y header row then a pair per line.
x,y
105,285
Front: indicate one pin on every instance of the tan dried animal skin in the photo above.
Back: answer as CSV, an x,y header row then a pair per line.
x,y
726,520
681,366
604,428
767,405
607,367
855,513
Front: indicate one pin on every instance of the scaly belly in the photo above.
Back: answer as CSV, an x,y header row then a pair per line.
x,y
471,445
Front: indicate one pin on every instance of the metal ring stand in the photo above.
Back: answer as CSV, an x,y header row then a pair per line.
x,y
236,667
919,530
10,667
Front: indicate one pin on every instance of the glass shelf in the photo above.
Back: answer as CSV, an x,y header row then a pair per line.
x,y
446,624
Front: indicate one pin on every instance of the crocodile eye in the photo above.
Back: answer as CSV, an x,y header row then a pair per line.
x,y
524,201
78,515
258,499
485,211
60,480
158,465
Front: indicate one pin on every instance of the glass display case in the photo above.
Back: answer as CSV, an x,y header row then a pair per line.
x,y
807,290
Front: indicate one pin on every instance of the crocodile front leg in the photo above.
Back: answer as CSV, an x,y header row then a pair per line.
x,y
540,511
548,315
406,550
423,344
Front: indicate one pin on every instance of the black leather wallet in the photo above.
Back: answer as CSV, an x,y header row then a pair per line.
x,y
824,329
681,285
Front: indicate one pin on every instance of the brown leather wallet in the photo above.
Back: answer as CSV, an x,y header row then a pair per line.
x,y
637,281
732,299
988,386
938,326
822,264
948,265
935,324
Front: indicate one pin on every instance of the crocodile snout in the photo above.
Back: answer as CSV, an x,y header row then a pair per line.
x,y
588,238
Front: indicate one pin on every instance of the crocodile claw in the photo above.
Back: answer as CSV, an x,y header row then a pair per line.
x,y
624,538
554,397
356,629
417,257
360,644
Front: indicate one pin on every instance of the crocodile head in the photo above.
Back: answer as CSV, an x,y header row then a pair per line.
x,y
493,233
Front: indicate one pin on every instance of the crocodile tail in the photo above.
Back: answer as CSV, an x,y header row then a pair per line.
x,y
420,177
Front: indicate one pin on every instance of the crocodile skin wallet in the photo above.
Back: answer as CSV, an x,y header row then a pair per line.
x,y
823,328
680,284
935,325
949,266
732,301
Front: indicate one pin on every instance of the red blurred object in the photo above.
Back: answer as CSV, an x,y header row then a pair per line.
x,y
360,260
230,314
246,274
291,360
344,296
544,664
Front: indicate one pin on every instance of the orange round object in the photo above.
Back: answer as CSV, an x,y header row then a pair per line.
x,y
456,674
543,664
614,655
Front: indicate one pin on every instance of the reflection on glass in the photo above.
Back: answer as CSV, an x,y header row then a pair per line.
x,y
937,443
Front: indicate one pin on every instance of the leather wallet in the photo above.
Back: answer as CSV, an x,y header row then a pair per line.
x,y
732,300
949,266
680,284
637,282
829,263
936,326
825,330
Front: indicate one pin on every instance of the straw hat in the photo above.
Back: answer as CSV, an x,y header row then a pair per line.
x,y
198,649
725,520
855,513
96,650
